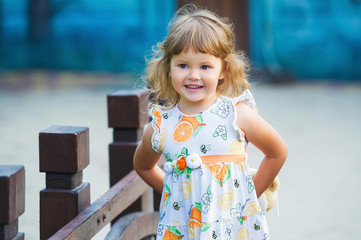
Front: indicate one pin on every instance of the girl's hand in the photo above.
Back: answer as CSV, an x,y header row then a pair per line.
x,y
263,136
145,162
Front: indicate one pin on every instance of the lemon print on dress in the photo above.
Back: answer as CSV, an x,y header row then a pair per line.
x,y
176,223
235,148
187,127
241,166
163,138
226,199
242,234
193,232
187,189
251,208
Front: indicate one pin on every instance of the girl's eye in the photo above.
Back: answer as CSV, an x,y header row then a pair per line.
x,y
205,67
183,65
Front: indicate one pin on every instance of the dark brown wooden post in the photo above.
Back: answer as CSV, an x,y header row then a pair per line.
x,y
12,200
127,115
64,153
236,10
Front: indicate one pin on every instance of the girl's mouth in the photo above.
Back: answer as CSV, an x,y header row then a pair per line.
x,y
193,87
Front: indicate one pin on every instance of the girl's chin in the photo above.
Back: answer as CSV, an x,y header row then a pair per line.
x,y
197,99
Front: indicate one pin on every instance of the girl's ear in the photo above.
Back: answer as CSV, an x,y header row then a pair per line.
x,y
223,73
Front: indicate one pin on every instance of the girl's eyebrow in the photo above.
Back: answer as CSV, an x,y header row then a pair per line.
x,y
205,62
178,59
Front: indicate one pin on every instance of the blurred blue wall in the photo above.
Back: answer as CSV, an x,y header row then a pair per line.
x,y
110,35
314,39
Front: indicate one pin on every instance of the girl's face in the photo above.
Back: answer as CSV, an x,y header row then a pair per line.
x,y
195,78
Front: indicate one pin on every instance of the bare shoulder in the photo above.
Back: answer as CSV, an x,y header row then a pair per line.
x,y
245,114
258,131
145,148
250,122
146,143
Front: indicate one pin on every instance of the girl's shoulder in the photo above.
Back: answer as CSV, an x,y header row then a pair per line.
x,y
245,112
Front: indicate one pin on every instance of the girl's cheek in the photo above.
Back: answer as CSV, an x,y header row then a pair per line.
x,y
181,72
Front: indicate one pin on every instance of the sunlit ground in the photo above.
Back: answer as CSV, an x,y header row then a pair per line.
x,y
319,122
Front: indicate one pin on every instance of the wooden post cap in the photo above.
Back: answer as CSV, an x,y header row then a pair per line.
x,y
64,149
12,192
127,109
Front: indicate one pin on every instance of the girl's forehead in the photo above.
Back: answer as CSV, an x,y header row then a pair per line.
x,y
194,54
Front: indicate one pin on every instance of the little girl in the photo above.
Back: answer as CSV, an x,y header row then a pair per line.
x,y
203,117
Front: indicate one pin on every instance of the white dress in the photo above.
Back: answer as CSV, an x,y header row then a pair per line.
x,y
203,200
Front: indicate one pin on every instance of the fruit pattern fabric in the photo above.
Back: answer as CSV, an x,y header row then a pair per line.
x,y
206,200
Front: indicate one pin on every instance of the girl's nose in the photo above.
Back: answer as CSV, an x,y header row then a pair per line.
x,y
194,75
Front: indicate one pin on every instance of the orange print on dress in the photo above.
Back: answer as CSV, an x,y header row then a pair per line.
x,y
195,219
221,172
166,196
187,127
195,223
158,119
172,234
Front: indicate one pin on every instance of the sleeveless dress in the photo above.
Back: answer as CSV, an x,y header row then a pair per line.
x,y
206,199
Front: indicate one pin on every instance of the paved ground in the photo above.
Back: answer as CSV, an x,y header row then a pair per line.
x,y
320,124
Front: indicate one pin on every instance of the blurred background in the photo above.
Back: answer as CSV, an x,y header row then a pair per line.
x,y
305,39
60,58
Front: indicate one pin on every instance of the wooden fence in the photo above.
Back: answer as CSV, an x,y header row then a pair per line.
x,y
65,208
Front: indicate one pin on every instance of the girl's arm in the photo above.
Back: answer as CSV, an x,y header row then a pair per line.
x,y
145,162
265,138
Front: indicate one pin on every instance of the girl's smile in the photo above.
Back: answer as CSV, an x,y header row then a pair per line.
x,y
195,78
193,88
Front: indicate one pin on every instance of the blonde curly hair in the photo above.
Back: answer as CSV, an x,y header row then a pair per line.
x,y
202,31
